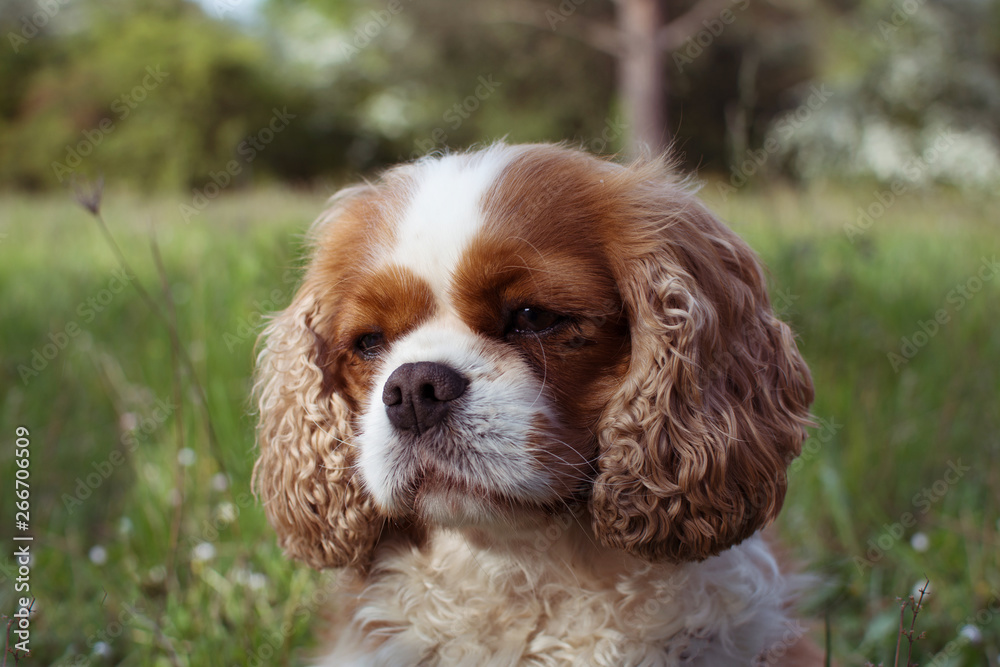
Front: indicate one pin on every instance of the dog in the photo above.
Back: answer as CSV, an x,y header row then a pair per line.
x,y
538,407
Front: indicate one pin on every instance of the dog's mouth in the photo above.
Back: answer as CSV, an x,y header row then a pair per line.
x,y
473,468
434,493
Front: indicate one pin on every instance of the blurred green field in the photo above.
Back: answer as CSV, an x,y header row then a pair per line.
x,y
149,549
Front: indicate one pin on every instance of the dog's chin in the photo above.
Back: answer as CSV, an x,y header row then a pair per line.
x,y
436,499
453,507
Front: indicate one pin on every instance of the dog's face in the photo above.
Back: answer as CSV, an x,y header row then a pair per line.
x,y
520,329
481,337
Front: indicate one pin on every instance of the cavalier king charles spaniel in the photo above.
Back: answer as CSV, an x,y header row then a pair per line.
x,y
538,406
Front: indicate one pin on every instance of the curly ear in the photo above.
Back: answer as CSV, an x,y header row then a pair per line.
x,y
305,476
695,441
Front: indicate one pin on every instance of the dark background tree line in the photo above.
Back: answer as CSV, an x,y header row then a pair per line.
x,y
370,82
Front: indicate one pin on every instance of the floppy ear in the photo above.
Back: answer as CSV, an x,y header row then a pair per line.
x,y
306,476
696,439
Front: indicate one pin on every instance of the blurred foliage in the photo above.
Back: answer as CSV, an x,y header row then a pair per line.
x,y
368,82
424,64
915,97
153,93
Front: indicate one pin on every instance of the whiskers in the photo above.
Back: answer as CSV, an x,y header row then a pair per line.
x,y
340,441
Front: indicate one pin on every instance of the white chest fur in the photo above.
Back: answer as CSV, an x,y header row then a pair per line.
x,y
565,603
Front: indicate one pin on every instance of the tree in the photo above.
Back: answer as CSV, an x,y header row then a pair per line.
x,y
641,76
639,41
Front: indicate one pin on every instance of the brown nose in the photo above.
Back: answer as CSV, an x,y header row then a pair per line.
x,y
418,396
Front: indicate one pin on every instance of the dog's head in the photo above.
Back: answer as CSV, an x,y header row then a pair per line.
x,y
520,329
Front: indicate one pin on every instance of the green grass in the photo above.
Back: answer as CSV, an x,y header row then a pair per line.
x,y
92,413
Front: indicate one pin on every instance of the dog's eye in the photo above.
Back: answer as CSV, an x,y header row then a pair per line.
x,y
534,320
369,345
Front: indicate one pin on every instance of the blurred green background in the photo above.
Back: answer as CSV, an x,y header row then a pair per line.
x,y
855,144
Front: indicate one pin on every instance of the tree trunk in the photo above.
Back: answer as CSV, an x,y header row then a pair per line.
x,y
641,76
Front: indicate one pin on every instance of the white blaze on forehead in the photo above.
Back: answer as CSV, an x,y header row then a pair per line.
x,y
444,213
